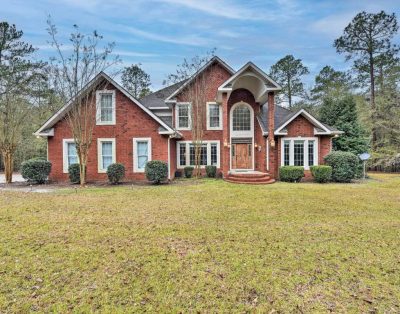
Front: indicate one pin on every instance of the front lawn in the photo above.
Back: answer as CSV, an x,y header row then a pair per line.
x,y
209,247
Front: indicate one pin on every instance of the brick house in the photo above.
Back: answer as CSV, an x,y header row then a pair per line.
x,y
247,136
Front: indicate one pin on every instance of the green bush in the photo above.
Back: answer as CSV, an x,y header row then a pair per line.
x,y
344,165
188,171
36,170
291,173
211,171
156,171
74,173
115,173
321,174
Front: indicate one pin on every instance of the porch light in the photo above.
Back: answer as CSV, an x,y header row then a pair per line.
x,y
272,143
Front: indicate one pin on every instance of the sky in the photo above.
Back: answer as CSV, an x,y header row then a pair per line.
x,y
159,34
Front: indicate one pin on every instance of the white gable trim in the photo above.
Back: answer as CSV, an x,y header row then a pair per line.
x,y
309,117
60,113
243,69
212,60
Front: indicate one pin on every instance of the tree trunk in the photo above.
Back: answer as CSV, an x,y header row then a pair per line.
x,y
82,169
8,165
289,93
372,101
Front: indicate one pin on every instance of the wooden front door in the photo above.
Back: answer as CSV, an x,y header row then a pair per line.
x,y
241,156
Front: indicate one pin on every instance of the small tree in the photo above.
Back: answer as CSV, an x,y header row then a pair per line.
x,y
288,72
73,73
136,81
366,40
196,94
17,77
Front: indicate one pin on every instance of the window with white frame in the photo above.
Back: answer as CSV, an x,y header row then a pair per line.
x,y
209,154
70,155
214,116
105,153
299,151
241,118
105,107
141,153
182,116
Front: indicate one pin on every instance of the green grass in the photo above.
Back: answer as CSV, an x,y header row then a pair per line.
x,y
208,247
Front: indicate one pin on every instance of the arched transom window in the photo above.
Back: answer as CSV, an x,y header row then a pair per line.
x,y
241,118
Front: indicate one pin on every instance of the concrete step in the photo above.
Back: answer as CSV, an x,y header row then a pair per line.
x,y
252,182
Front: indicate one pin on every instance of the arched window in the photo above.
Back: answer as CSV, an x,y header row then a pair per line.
x,y
241,120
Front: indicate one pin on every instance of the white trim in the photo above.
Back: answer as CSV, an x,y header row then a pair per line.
x,y
187,144
169,158
267,149
135,153
212,60
65,143
159,108
164,114
305,149
219,127
60,113
189,116
99,93
100,153
308,116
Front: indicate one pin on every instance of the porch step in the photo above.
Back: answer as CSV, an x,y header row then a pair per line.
x,y
250,178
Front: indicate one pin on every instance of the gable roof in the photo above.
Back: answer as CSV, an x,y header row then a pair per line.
x,y
213,60
43,130
157,99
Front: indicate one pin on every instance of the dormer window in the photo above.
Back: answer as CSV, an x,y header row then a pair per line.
x,y
105,107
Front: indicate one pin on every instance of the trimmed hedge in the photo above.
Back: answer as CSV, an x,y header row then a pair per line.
x,y
344,165
74,173
291,173
321,174
156,171
115,173
188,171
211,171
36,170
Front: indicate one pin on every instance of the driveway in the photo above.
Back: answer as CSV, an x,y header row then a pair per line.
x,y
16,178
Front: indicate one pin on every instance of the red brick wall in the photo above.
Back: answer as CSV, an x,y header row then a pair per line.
x,y
300,126
131,121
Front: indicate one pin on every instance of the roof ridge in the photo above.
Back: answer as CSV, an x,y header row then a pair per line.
x,y
164,88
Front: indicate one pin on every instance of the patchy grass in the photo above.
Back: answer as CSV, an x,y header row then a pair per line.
x,y
208,247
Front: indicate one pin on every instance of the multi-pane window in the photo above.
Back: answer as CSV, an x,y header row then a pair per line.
x,y
209,154
311,153
214,116
72,156
183,116
298,153
105,107
241,118
286,153
105,153
182,154
141,153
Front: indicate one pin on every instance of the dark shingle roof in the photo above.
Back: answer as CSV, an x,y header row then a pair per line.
x,y
157,98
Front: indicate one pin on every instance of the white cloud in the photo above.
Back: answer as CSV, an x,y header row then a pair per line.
x,y
332,25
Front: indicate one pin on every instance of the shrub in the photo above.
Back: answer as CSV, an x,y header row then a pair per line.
x,y
115,173
188,171
344,165
156,171
321,174
291,173
36,170
178,174
74,173
211,171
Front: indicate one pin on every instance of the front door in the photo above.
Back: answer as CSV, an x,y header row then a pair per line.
x,y
241,156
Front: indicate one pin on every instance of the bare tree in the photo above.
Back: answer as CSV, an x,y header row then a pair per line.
x,y
195,92
17,77
74,73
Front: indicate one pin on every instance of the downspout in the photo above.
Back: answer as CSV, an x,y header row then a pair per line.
x,y
169,158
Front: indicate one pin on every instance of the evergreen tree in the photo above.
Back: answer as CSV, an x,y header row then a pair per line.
x,y
342,114
136,81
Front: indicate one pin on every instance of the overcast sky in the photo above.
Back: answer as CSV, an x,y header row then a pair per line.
x,y
160,33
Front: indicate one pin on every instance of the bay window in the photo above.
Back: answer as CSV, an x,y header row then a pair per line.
x,y
299,151
141,153
209,154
